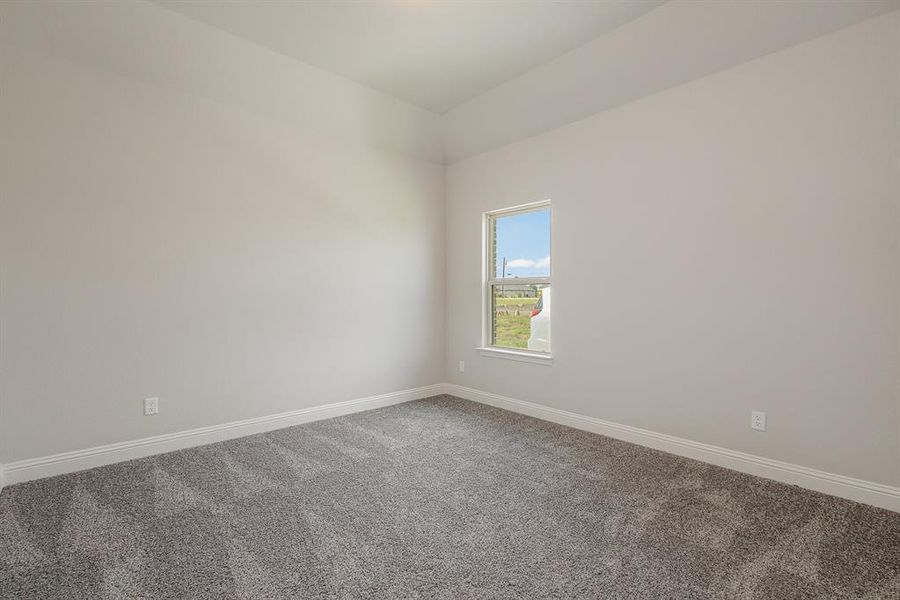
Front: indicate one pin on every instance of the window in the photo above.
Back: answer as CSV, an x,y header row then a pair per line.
x,y
517,280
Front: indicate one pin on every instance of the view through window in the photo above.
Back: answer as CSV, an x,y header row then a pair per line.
x,y
518,278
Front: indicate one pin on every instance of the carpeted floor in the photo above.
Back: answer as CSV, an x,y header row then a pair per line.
x,y
440,498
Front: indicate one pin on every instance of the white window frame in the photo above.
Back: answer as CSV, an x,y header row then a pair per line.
x,y
489,279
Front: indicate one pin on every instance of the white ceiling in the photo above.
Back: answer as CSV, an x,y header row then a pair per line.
x,y
678,42
436,54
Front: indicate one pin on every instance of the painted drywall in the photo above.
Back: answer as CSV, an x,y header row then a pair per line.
x,y
143,41
678,42
177,207
726,245
189,216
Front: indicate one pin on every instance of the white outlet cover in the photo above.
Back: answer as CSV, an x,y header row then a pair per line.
x,y
151,406
758,420
462,366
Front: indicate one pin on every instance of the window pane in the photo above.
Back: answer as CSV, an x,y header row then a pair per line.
x,y
521,316
522,245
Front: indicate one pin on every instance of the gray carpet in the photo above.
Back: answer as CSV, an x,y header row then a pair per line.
x,y
439,498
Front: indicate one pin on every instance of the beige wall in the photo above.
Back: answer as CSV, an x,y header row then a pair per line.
x,y
189,216
182,237
727,245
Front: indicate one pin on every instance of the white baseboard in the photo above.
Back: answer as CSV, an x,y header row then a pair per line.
x,y
78,460
858,490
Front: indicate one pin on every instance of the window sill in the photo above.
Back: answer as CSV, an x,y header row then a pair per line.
x,y
538,358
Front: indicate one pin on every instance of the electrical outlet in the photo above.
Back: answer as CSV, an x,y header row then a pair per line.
x,y
758,420
151,406
462,366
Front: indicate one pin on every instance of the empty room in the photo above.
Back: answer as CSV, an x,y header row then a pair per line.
x,y
500,299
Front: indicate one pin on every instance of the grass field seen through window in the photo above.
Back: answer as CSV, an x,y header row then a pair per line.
x,y
512,321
